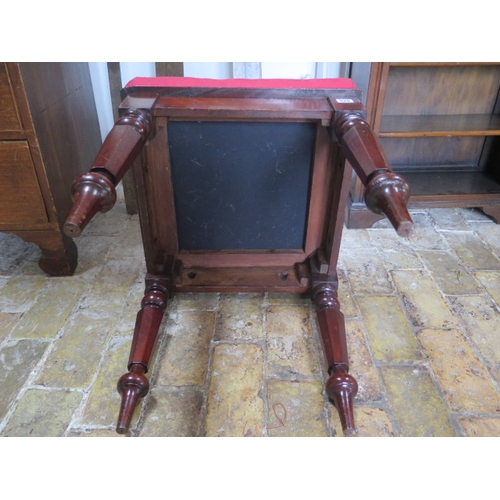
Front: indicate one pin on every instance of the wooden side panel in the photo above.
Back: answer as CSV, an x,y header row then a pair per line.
x,y
21,201
10,123
62,108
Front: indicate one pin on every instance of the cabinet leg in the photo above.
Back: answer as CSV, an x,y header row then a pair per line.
x,y
493,212
61,261
59,253
359,217
341,387
134,385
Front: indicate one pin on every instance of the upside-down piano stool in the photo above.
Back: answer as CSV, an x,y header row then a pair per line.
x,y
242,186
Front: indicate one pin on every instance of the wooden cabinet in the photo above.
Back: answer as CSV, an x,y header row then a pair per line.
x,y
49,132
439,125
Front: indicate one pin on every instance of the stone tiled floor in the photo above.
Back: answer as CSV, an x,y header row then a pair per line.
x,y
422,316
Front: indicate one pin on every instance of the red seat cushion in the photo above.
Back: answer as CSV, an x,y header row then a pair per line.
x,y
264,83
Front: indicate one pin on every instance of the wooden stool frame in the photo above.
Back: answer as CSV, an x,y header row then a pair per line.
x,y
342,139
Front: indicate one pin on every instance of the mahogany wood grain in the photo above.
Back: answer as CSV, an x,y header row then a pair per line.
x,y
388,193
115,85
240,279
134,384
159,207
92,192
340,386
123,144
242,258
323,189
95,191
385,192
341,140
342,389
243,108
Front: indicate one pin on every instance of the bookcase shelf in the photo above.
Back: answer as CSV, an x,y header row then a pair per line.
x,y
439,125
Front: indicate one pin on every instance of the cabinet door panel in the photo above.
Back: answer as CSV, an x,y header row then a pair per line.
x,y
435,152
446,90
21,201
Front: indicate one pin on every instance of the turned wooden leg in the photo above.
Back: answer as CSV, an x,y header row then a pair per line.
x,y
95,191
340,386
134,385
388,193
385,192
92,192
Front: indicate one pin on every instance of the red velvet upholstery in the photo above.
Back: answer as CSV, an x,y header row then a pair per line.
x,y
276,83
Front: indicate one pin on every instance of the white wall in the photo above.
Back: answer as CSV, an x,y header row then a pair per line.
x,y
208,69
100,85
301,70
130,70
269,69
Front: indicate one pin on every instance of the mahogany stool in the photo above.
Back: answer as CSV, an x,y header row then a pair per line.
x,y
242,186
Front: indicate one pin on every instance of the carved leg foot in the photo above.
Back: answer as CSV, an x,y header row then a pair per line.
x,y
388,193
341,389
134,385
340,386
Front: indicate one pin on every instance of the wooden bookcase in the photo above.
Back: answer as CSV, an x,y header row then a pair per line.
x,y
439,125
